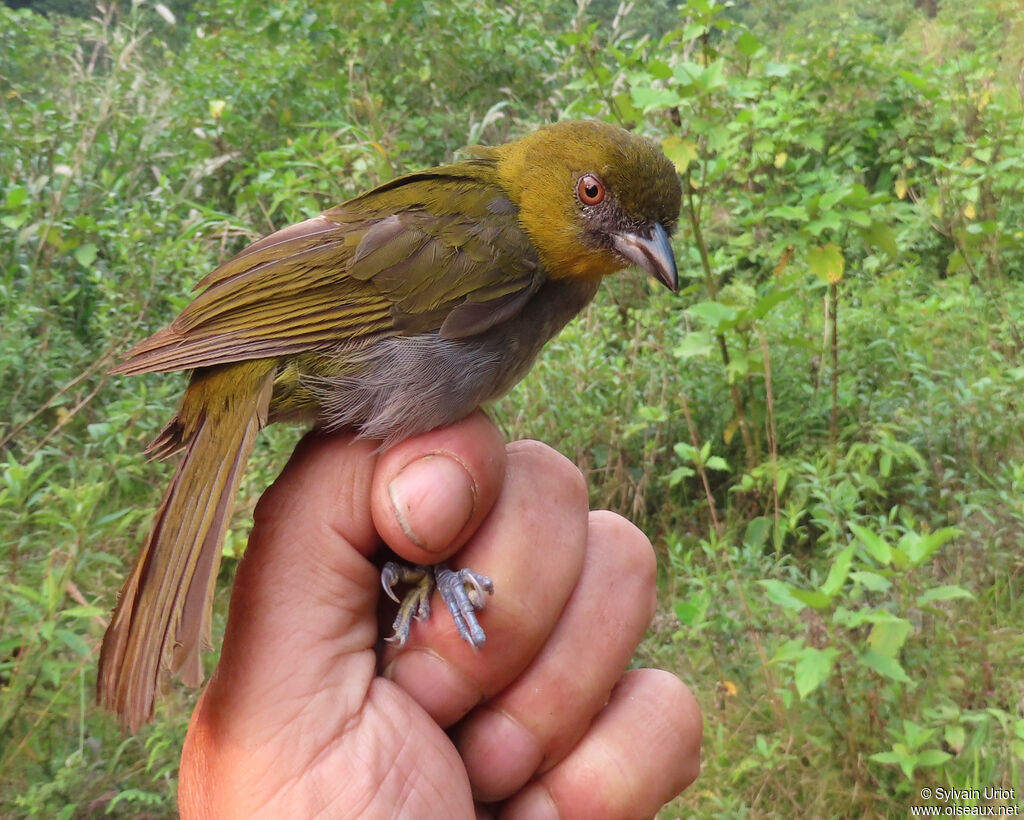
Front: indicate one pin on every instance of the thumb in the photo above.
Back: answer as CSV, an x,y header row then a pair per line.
x,y
303,603
303,616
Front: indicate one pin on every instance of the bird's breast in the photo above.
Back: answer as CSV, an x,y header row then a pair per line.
x,y
397,386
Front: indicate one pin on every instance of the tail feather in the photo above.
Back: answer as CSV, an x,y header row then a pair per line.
x,y
162,619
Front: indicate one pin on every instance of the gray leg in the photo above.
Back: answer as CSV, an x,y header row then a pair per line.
x,y
463,591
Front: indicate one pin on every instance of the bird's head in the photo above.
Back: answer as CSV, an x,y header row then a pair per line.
x,y
593,199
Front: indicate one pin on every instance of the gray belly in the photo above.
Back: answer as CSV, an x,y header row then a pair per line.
x,y
399,386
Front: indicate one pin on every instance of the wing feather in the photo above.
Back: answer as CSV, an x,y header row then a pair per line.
x,y
439,248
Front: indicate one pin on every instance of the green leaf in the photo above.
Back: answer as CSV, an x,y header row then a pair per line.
x,y
919,548
876,547
685,450
680,474
83,612
888,635
944,593
838,572
813,669
830,199
814,140
658,69
899,559
933,757
781,594
881,236
694,30
687,72
85,254
789,651
714,314
913,79
884,665
851,618
15,196
796,213
858,218
625,108
648,99
712,77
697,344
770,300
871,580
956,737
74,642
813,598
828,221
690,611
747,44
757,531
778,69
901,756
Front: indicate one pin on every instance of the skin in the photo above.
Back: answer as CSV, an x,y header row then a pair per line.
x,y
544,721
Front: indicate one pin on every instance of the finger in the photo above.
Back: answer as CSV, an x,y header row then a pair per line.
x,y
532,546
431,492
305,592
641,751
302,614
536,721
299,657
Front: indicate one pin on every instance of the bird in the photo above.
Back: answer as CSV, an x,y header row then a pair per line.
x,y
396,312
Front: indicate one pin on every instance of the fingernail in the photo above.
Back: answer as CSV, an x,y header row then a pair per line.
x,y
433,499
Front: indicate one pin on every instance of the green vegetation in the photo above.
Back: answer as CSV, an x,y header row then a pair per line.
x,y
822,435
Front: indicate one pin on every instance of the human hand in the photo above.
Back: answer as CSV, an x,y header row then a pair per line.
x,y
543,721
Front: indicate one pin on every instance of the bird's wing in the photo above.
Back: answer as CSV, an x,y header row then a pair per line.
x,y
429,251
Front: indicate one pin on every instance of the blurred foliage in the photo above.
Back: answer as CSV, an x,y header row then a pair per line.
x,y
822,434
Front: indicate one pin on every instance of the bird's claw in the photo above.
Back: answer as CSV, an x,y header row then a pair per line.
x,y
463,591
415,604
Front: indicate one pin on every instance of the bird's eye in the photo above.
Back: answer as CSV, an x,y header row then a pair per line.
x,y
590,190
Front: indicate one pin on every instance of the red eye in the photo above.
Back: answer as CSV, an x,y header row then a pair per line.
x,y
590,190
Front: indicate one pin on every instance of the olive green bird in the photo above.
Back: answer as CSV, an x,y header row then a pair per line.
x,y
399,311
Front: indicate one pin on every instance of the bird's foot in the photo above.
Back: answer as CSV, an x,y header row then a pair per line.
x,y
463,591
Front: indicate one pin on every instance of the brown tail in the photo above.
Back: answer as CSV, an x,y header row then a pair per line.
x,y
162,618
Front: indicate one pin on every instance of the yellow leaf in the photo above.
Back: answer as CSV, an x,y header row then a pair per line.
x,y
826,262
780,159
901,188
730,430
969,211
217,108
681,152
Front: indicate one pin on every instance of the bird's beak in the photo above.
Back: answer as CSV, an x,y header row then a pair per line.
x,y
654,254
